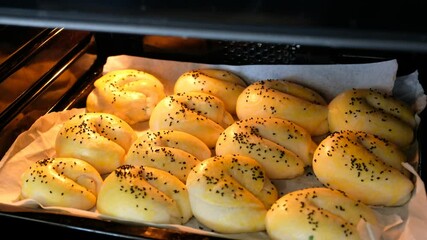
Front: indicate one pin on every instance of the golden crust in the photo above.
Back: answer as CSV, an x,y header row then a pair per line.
x,y
62,182
280,146
373,112
144,194
129,94
364,166
101,139
317,213
173,151
286,100
223,84
199,114
230,194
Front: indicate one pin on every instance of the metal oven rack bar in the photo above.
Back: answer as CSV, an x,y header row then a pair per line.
x,y
9,216
44,82
25,52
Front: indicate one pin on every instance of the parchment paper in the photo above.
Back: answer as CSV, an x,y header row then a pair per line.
x,y
405,222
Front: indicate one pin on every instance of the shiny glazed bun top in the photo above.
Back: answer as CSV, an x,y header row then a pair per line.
x,y
102,139
129,94
144,194
317,213
170,150
364,166
223,84
287,100
230,193
62,182
374,112
283,148
199,114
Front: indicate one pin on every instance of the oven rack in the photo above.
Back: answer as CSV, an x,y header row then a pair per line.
x,y
74,97
101,45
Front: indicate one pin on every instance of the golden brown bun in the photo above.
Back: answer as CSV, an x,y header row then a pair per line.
x,y
364,166
317,213
230,194
129,94
280,146
101,139
173,151
144,194
62,182
286,100
223,84
374,112
199,114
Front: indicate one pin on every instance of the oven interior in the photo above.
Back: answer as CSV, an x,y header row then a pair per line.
x,y
45,69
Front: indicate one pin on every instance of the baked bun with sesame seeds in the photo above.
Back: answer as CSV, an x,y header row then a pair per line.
x,y
317,213
287,100
61,182
173,151
129,94
364,166
372,111
223,84
102,139
230,194
199,114
283,148
144,194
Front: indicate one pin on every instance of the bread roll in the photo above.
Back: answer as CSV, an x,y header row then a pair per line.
x,y
61,182
317,213
223,84
144,194
230,194
173,151
364,166
373,112
280,146
101,139
199,114
129,94
286,100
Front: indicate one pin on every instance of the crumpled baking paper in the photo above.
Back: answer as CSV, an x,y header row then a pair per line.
x,y
405,222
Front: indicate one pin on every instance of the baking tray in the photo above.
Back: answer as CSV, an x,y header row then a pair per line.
x,y
220,52
94,225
